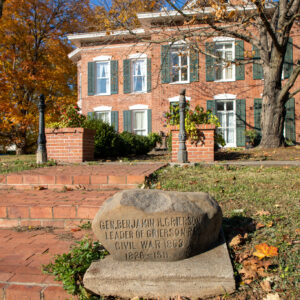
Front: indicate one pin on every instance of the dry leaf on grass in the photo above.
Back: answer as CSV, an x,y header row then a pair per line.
x,y
263,250
75,229
263,213
253,269
266,285
272,297
259,226
236,241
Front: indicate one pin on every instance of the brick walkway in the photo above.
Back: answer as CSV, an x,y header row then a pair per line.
x,y
22,255
49,207
101,176
61,197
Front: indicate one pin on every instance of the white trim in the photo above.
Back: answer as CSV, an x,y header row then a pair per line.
x,y
92,35
74,53
181,42
223,39
138,106
102,108
102,58
137,56
225,97
176,99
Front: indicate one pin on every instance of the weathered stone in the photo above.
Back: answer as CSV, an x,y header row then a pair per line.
x,y
153,225
205,275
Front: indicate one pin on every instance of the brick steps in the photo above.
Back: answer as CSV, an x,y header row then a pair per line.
x,y
49,208
92,177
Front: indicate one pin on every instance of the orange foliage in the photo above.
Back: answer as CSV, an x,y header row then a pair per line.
x,y
33,60
263,250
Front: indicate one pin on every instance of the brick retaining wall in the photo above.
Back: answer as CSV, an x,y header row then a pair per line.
x,y
70,144
203,151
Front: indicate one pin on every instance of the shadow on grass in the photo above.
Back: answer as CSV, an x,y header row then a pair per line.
x,y
234,155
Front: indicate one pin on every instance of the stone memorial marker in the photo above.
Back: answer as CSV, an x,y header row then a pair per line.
x,y
161,244
157,226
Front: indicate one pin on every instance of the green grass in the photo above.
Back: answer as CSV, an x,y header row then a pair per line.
x,y
13,163
251,195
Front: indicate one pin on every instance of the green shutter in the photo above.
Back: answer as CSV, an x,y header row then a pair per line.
x,y
239,58
149,118
240,122
127,76
127,120
114,69
289,123
91,78
165,64
209,62
91,115
194,65
257,115
115,120
211,105
257,67
288,59
149,78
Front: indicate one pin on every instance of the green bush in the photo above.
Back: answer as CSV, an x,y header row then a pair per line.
x,y
107,141
69,268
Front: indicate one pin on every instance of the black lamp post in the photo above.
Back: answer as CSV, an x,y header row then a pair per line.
x,y
182,153
41,155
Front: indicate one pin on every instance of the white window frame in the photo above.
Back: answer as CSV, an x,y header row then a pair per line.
x,y
141,108
134,58
224,100
104,109
178,45
226,40
103,59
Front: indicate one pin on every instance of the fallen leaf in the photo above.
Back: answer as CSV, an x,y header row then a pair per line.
x,y
263,250
297,231
259,226
263,213
158,186
272,297
75,229
39,188
270,224
266,285
236,241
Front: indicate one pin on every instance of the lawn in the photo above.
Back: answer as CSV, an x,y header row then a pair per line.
x,y
260,206
16,163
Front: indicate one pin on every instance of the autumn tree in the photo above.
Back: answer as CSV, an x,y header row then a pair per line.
x,y
33,61
116,14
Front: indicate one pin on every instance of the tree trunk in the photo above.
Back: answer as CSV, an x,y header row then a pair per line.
x,y
273,113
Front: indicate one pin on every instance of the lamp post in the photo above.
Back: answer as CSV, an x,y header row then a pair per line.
x,y
41,155
182,153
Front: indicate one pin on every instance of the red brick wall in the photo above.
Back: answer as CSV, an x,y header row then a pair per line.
x,y
70,144
203,151
157,99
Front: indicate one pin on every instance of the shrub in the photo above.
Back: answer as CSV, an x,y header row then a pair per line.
x,y
69,268
107,140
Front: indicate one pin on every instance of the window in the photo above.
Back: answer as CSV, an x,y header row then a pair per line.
x,y
139,118
103,78
139,75
104,116
224,68
226,115
179,59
